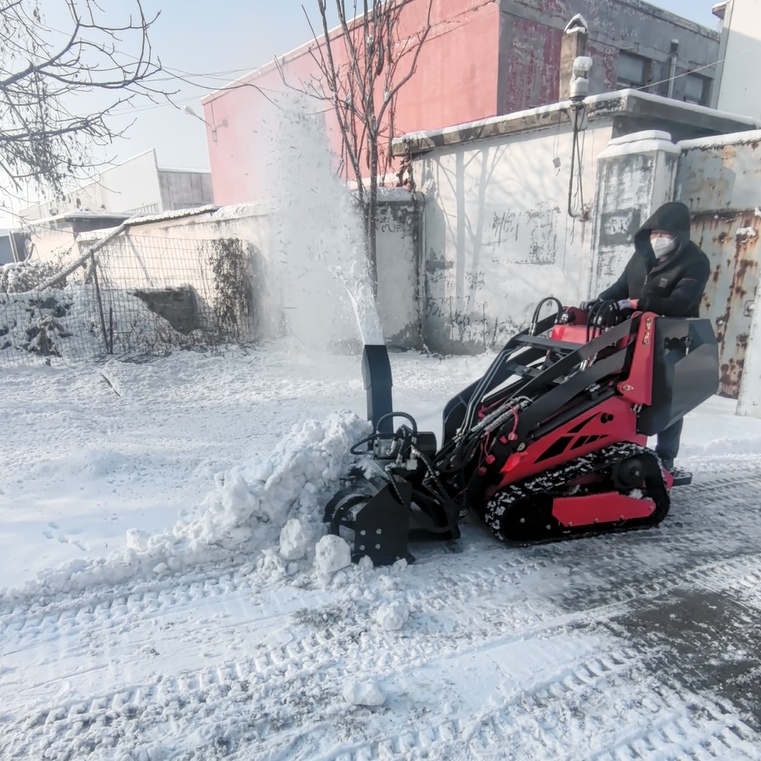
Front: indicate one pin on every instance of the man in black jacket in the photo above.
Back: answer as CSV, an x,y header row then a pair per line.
x,y
667,274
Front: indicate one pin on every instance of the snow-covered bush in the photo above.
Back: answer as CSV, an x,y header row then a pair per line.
x,y
20,277
35,324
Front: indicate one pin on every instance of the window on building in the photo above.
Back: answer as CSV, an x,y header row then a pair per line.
x,y
632,70
696,89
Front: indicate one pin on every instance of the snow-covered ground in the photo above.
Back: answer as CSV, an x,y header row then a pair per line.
x,y
165,596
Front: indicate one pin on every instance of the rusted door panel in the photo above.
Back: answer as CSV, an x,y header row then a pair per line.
x,y
730,240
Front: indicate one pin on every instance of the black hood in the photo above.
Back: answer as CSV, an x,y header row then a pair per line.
x,y
674,217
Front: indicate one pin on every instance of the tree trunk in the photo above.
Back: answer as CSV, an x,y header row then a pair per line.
x,y
371,224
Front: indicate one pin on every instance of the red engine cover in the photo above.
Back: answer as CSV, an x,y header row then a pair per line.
x,y
612,422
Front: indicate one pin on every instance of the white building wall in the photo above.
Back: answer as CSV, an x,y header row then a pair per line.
x,y
131,186
738,89
498,233
137,185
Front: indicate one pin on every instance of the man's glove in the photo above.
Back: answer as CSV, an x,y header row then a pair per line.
x,y
585,306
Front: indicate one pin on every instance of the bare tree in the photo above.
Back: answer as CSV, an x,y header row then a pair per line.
x,y
362,69
46,135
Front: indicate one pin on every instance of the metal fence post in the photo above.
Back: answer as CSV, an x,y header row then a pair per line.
x,y
104,332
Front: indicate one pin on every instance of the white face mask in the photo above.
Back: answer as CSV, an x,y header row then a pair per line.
x,y
662,246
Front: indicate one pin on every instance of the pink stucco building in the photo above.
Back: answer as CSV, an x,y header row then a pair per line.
x,y
482,58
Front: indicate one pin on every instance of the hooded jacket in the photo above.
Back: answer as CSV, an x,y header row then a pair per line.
x,y
673,285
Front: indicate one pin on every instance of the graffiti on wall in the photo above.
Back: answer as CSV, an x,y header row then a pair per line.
x,y
616,246
455,309
525,236
617,228
465,330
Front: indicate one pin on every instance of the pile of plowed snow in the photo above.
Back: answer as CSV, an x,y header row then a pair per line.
x,y
273,504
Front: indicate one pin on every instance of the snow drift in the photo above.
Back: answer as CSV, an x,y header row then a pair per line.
x,y
265,504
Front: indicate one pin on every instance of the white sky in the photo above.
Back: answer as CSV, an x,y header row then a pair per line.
x,y
214,47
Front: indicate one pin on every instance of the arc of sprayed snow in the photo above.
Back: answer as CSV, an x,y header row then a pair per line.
x,y
365,310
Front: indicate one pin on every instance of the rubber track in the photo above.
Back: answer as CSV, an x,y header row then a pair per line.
x,y
554,481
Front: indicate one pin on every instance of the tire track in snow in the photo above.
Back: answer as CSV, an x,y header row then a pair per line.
x,y
496,616
655,722
493,726
445,584
117,604
308,655
125,603
197,698
557,717
511,565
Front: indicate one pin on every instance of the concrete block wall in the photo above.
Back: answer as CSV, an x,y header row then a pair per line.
x,y
635,175
400,271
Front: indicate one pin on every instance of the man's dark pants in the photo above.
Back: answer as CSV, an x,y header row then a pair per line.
x,y
668,444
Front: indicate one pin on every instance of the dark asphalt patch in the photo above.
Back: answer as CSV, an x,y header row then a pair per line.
x,y
701,640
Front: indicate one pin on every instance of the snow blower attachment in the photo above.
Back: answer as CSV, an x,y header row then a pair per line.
x,y
550,442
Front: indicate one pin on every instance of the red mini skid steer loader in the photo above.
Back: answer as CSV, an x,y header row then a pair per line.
x,y
550,442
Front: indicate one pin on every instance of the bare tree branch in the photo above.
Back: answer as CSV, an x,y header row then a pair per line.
x,y
42,69
362,86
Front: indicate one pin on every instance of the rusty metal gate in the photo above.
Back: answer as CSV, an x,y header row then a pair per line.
x,y
730,240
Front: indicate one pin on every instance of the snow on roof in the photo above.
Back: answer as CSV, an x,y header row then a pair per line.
x,y
719,9
480,123
72,216
600,106
577,24
718,141
237,210
94,235
647,141
681,105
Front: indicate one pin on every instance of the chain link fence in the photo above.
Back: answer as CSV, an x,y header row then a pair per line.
x,y
127,296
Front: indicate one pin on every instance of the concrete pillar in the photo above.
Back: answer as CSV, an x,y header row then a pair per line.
x,y
636,173
399,257
749,399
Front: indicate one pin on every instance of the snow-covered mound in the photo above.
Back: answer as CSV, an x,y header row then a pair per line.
x,y
271,503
